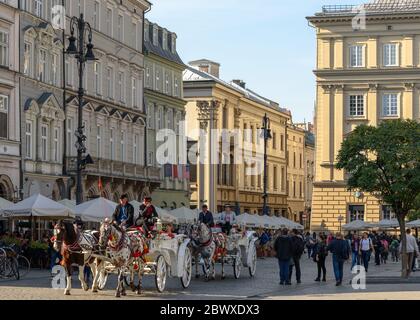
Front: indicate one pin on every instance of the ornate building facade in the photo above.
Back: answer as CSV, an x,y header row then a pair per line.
x,y
215,104
10,161
165,109
113,113
363,77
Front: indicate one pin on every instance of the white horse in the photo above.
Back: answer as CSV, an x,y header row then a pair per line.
x,y
204,246
125,250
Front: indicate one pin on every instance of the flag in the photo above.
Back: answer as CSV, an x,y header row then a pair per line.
x,y
187,172
175,171
168,170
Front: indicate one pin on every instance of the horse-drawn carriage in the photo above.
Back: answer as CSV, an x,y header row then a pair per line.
x,y
165,256
215,247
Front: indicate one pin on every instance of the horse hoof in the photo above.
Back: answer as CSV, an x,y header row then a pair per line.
x,y
223,277
94,290
123,293
86,288
197,276
118,295
138,292
67,293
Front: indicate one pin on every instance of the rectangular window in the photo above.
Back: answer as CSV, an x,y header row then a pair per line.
x,y
275,178
111,143
69,136
110,82
300,161
97,73
4,49
356,213
387,212
167,83
150,116
283,179
68,71
54,70
357,105
274,141
157,85
109,22
159,118
122,142
56,145
282,142
135,149
42,65
28,139
96,12
170,119
390,55
39,7
294,189
300,189
120,28
150,159
148,77
80,7
44,142
176,91
4,119
390,104
134,92
98,141
356,56
294,159
27,59
24,4
121,86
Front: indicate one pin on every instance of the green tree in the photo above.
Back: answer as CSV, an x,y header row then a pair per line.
x,y
384,161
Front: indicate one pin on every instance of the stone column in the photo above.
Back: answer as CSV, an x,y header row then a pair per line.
x,y
338,127
372,105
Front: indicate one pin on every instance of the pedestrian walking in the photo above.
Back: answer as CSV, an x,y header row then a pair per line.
x,y
319,255
298,247
309,242
341,252
412,250
355,250
283,248
366,249
385,250
377,245
394,247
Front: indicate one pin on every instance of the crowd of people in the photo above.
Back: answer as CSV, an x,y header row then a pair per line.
x,y
290,245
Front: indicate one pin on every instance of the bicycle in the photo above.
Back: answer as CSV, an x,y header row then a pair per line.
x,y
9,267
24,265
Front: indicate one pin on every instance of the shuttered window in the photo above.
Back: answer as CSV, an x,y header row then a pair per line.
x,y
4,109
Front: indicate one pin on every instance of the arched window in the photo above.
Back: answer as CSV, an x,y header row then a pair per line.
x,y
173,205
164,205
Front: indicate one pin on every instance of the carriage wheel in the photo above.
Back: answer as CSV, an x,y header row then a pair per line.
x,y
24,266
14,268
103,277
161,273
237,265
187,271
253,267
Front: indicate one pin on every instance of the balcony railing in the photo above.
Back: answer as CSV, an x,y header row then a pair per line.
x,y
116,169
340,8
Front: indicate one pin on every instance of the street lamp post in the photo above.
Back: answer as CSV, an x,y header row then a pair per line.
x,y
340,218
82,52
266,135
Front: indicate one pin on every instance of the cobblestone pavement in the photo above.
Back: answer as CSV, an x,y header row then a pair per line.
x,y
265,285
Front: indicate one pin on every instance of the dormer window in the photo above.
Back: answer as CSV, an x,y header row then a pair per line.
x,y
146,31
173,43
155,36
165,40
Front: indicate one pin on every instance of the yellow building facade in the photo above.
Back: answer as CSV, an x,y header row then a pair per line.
x,y
234,107
363,76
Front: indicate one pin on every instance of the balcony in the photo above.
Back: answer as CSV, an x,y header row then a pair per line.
x,y
116,169
341,8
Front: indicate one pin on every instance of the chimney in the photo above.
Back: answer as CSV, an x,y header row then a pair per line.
x,y
207,66
240,83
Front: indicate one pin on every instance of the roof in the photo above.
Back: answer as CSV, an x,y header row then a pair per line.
x,y
204,61
158,50
192,74
372,8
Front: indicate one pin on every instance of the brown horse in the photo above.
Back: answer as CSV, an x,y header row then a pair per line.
x,y
67,241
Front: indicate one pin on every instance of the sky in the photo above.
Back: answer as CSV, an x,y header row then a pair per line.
x,y
268,44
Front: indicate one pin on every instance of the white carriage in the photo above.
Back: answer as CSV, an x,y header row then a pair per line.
x,y
240,252
166,257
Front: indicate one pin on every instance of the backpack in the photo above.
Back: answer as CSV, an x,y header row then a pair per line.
x,y
345,252
298,246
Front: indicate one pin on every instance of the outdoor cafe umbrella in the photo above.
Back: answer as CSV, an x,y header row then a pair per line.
x,y
387,224
414,224
68,203
96,210
4,204
248,220
356,225
185,215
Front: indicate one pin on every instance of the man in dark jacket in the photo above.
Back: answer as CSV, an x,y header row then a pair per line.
x,y
341,252
206,216
148,213
298,246
124,213
284,252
